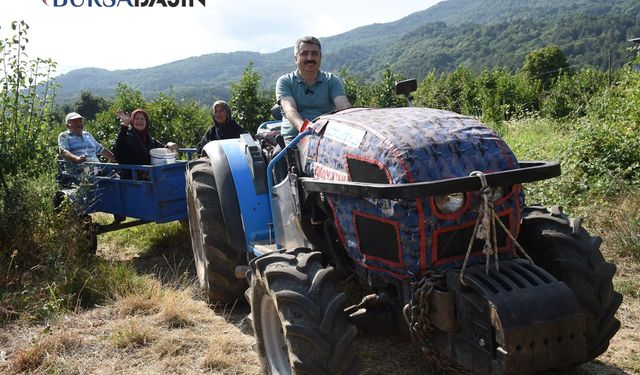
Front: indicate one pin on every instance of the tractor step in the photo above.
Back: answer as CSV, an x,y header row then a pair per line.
x,y
263,248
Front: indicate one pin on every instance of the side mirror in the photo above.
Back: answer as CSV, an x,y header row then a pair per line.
x,y
276,113
406,87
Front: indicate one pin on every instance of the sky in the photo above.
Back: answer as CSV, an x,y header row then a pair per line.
x,y
128,37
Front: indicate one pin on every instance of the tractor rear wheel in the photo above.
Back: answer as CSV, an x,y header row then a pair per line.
x,y
298,315
560,245
215,259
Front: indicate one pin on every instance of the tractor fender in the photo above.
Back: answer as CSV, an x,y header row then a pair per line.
x,y
239,170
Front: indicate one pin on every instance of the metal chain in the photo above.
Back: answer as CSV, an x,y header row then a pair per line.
x,y
417,316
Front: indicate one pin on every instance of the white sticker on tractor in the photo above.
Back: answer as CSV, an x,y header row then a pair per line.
x,y
345,134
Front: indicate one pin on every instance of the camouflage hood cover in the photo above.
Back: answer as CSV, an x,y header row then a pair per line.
x,y
397,146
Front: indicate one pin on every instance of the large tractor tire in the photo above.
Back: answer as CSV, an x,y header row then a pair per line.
x,y
298,315
215,259
560,245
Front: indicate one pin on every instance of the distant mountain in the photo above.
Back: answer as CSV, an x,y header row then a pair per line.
x,y
476,33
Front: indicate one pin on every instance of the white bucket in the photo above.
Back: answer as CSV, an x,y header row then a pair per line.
x,y
160,156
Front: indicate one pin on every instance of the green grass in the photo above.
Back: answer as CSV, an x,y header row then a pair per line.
x,y
537,139
144,239
629,287
543,139
46,267
618,221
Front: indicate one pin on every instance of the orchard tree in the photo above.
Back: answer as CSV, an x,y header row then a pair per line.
x,y
357,90
89,105
178,120
106,126
171,119
384,92
546,64
249,102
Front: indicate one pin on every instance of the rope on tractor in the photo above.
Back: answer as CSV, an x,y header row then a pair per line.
x,y
485,229
416,313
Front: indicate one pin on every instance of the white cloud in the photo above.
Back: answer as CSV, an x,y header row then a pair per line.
x,y
127,38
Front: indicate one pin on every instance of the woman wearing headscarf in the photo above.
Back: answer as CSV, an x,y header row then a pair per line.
x,y
224,127
134,140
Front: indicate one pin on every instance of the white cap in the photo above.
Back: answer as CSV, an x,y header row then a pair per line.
x,y
72,116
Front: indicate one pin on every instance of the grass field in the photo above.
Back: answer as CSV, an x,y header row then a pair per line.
x,y
164,327
155,320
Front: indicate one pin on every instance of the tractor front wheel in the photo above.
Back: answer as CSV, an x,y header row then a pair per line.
x,y
298,315
560,245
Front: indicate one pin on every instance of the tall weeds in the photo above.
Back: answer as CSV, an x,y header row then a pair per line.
x,y
26,108
44,254
45,265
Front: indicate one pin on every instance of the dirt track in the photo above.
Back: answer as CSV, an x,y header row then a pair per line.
x,y
177,333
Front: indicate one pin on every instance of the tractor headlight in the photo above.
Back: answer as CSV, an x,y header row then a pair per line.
x,y
450,203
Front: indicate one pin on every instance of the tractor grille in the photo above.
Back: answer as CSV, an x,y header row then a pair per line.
x,y
366,171
379,239
451,243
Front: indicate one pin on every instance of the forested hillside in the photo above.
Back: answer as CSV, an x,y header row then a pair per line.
x,y
456,12
475,33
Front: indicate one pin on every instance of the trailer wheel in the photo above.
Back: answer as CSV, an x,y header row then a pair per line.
x,y
215,259
562,247
298,315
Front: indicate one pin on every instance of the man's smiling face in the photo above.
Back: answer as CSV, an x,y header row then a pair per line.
x,y
308,58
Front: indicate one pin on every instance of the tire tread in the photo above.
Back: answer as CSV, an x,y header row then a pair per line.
x,y
561,246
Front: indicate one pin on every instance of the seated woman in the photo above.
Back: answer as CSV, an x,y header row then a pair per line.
x,y
134,141
223,125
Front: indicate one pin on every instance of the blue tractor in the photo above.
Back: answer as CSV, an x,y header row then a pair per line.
x,y
424,211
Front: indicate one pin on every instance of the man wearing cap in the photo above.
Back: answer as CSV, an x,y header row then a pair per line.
x,y
77,146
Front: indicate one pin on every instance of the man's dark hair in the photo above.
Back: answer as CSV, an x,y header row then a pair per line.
x,y
309,40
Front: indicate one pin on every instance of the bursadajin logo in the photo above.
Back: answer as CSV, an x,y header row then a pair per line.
x,y
118,3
